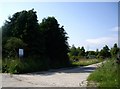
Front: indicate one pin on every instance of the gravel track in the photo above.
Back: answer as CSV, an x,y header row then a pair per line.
x,y
65,77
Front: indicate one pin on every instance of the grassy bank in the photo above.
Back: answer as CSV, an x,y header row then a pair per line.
x,y
107,75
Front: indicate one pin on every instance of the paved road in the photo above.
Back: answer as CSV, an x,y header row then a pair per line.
x,y
72,77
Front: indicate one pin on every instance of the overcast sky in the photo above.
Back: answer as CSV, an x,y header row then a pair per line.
x,y
88,24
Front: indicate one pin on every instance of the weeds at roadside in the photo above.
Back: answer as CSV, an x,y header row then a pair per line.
x,y
106,75
15,65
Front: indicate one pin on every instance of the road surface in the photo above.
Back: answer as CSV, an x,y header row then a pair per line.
x,y
66,77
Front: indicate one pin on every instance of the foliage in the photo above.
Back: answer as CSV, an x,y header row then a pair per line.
x,y
73,51
114,51
76,53
15,65
82,52
12,45
46,40
96,53
105,52
24,25
91,54
55,41
106,75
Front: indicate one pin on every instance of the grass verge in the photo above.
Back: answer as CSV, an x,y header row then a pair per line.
x,y
107,75
15,65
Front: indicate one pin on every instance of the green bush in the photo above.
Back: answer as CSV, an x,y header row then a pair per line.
x,y
10,66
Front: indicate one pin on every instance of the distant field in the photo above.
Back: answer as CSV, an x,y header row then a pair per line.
x,y
85,62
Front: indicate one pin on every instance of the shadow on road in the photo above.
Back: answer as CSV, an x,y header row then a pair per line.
x,y
65,70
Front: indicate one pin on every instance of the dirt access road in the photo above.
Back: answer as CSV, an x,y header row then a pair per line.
x,y
67,77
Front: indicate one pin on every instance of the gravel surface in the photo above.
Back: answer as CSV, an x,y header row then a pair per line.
x,y
66,77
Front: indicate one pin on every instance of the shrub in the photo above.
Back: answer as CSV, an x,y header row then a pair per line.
x,y
15,65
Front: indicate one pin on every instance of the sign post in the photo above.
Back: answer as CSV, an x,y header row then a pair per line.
x,y
21,53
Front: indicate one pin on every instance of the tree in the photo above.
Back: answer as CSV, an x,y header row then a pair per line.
x,y
55,41
24,25
81,52
97,52
73,51
114,50
91,53
105,52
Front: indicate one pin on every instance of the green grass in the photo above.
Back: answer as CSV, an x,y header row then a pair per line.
x,y
85,62
106,76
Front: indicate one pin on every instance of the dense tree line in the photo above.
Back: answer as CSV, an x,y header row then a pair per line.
x,y
105,52
46,40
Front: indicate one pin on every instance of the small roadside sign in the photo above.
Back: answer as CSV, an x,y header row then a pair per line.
x,y
21,53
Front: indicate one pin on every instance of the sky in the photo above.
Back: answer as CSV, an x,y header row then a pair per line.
x,y
89,24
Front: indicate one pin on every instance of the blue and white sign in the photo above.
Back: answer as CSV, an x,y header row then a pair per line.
x,y
21,52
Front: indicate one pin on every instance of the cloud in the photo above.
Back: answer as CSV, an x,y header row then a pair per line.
x,y
107,39
102,41
115,29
